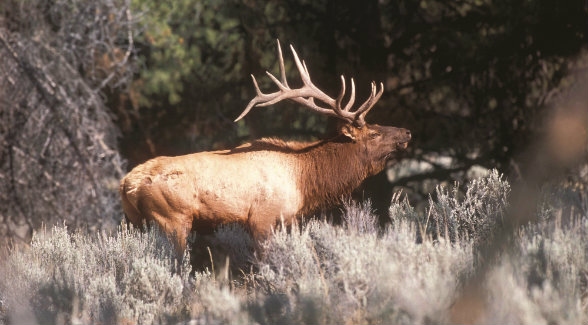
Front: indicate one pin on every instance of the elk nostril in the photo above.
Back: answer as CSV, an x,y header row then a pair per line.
x,y
408,133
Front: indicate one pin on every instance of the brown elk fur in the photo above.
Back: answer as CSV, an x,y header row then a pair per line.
x,y
256,184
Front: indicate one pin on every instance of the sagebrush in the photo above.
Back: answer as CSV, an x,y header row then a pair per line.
x,y
410,271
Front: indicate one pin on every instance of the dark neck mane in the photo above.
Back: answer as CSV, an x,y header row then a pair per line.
x,y
330,170
327,170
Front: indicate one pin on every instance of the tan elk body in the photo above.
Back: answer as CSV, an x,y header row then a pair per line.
x,y
261,183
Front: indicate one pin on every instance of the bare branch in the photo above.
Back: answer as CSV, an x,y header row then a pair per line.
x,y
56,133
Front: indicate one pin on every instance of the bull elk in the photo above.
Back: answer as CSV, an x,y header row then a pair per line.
x,y
260,183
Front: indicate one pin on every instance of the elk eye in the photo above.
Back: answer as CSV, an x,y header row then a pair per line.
x,y
374,135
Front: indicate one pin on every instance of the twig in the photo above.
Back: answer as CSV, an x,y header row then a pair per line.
x,y
211,261
318,264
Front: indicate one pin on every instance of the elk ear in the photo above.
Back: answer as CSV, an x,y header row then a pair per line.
x,y
349,131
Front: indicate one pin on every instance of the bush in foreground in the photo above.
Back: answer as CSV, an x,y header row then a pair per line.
x,y
409,272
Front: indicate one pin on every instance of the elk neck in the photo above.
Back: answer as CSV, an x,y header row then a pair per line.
x,y
331,169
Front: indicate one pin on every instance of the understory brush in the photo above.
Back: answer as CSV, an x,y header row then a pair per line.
x,y
410,271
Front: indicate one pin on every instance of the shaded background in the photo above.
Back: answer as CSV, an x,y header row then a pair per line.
x,y
89,89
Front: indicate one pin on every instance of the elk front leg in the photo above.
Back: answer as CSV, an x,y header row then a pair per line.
x,y
171,223
175,229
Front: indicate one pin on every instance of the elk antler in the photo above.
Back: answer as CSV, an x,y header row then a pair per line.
x,y
309,92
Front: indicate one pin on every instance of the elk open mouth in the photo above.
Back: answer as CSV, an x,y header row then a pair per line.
x,y
402,145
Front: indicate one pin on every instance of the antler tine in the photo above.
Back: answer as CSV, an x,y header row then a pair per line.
x,y
370,102
257,90
252,102
341,94
301,69
376,98
313,91
277,82
282,69
358,114
306,69
351,98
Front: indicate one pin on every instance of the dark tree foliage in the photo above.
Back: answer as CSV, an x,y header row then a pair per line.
x,y
471,79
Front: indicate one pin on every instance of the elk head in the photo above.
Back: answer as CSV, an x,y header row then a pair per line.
x,y
378,143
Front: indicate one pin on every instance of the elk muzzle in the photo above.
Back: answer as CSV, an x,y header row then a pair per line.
x,y
403,139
